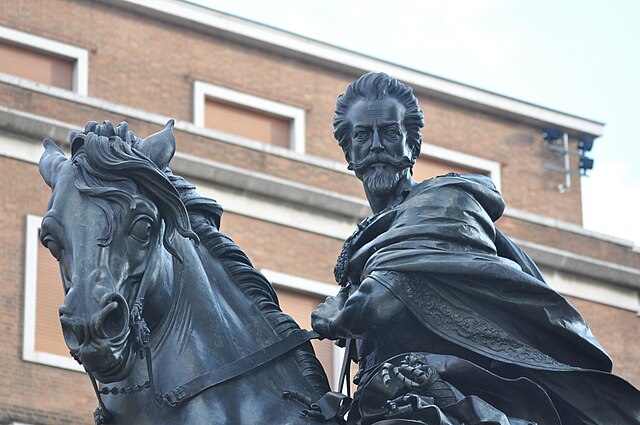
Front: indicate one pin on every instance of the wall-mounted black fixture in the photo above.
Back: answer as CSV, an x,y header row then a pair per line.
x,y
558,141
585,144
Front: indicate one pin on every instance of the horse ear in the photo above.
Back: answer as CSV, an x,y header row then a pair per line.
x,y
50,162
159,147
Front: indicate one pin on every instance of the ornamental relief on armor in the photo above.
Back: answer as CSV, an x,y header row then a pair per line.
x,y
441,314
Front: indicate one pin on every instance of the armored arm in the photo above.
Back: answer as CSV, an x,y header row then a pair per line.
x,y
367,312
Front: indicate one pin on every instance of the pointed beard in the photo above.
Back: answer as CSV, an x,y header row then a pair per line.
x,y
380,172
380,180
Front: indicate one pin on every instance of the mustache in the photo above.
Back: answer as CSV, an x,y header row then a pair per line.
x,y
376,158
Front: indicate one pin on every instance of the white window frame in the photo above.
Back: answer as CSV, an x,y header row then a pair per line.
x,y
29,352
300,284
55,48
202,90
492,168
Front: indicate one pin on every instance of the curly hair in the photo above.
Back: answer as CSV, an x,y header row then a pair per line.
x,y
376,86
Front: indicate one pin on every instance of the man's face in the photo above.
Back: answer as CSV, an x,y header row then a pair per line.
x,y
379,150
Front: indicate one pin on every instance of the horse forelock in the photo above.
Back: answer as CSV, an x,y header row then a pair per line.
x,y
109,169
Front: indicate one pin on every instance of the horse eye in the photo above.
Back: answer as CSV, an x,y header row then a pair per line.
x,y
141,229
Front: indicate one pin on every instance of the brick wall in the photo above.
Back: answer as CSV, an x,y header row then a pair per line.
x,y
253,160
519,148
579,244
617,331
151,65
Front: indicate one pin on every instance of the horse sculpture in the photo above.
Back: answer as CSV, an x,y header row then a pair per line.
x,y
158,303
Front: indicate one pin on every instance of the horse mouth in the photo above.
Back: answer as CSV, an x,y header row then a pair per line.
x,y
118,367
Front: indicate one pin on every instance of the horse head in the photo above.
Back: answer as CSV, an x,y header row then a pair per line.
x,y
111,224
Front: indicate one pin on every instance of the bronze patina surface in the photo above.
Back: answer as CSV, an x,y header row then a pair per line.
x,y
454,323
166,314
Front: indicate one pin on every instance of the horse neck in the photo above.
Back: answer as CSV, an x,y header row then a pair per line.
x,y
210,322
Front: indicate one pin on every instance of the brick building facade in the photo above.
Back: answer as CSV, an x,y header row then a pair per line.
x,y
289,200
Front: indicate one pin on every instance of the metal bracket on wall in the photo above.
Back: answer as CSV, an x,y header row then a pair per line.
x,y
559,143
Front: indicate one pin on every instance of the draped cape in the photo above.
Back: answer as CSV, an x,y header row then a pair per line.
x,y
439,252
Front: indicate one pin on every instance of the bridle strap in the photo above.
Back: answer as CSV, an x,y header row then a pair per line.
x,y
237,368
101,415
182,393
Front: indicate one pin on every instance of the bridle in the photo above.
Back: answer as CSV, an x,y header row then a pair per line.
x,y
176,396
141,336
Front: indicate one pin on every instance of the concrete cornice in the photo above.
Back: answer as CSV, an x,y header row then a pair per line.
x,y
300,284
39,127
554,223
270,186
34,126
218,23
593,268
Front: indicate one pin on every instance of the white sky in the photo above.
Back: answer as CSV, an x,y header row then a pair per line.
x,y
577,56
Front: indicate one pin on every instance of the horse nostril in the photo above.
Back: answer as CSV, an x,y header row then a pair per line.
x,y
113,320
73,331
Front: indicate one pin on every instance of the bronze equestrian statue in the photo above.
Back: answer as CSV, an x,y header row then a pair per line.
x,y
454,323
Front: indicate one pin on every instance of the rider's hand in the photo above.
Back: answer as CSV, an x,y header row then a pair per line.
x,y
325,315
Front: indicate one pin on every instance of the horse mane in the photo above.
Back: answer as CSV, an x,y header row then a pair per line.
x,y
204,215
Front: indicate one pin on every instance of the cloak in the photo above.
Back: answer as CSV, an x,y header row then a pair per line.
x,y
439,253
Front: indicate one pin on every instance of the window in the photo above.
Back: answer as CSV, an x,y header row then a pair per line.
x,y
36,66
247,123
42,340
426,167
43,60
248,116
437,161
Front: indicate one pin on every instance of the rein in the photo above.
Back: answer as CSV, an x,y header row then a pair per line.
x,y
191,389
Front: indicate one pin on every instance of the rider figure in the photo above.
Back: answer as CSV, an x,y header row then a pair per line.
x,y
429,273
